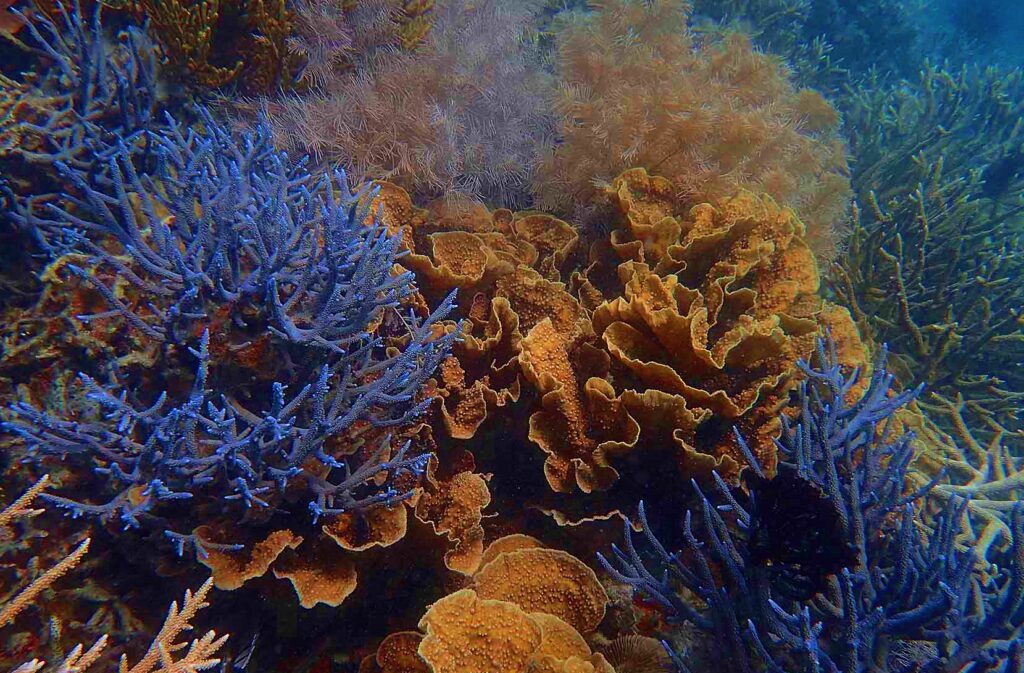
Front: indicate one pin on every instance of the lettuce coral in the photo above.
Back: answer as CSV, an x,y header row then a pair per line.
x,y
706,316
688,320
528,611
637,89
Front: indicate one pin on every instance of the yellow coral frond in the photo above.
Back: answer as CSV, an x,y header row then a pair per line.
x,y
200,653
20,507
28,595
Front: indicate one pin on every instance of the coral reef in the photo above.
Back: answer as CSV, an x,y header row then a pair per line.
x,y
162,655
215,43
900,596
314,289
243,363
334,37
528,610
263,359
934,261
705,318
460,114
84,96
688,321
823,40
638,90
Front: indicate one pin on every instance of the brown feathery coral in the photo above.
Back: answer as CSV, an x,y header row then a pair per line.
x,y
717,304
338,37
469,97
639,90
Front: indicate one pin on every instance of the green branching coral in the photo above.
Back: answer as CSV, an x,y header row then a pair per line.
x,y
826,42
934,263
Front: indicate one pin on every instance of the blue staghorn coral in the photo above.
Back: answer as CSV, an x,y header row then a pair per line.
x,y
203,240
94,92
897,598
229,223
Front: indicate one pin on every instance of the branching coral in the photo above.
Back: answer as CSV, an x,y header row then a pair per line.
x,y
638,91
313,353
92,94
898,586
823,40
221,42
248,243
162,656
458,115
934,264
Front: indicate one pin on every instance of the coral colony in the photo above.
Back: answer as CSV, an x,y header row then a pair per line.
x,y
311,307
825,608
224,223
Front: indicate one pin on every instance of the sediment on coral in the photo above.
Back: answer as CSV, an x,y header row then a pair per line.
x,y
779,591
638,89
934,262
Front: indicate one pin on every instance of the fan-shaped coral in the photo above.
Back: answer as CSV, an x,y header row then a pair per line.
x,y
527,611
637,90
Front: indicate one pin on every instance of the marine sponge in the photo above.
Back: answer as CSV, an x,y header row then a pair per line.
x,y
638,90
